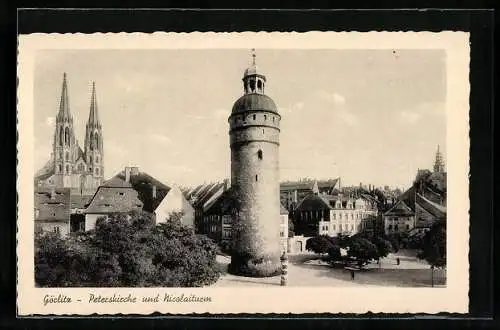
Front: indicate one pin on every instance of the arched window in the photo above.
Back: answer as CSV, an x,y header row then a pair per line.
x,y
265,117
259,154
61,136
80,167
91,141
97,171
252,85
59,168
60,154
67,168
96,137
66,136
259,85
67,156
90,159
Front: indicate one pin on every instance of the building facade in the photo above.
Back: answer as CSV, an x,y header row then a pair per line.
x,y
70,166
254,127
322,214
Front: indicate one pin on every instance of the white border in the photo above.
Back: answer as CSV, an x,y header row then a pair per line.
x,y
453,298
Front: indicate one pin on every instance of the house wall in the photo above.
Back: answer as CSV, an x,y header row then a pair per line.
x,y
52,227
404,224
90,220
175,201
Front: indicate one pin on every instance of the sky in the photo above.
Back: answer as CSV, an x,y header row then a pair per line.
x,y
368,116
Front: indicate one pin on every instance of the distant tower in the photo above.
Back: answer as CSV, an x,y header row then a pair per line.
x,y
93,144
64,141
439,164
254,141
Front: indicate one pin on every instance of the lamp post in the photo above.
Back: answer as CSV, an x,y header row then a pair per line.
x,y
284,267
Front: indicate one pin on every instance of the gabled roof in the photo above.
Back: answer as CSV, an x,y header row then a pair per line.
x,y
400,209
52,207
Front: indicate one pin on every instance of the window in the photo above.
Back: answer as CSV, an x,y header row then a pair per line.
x,y
97,171
265,117
340,216
259,154
254,117
407,227
97,159
396,227
67,169
66,136
67,156
256,177
340,227
334,228
121,193
59,168
259,84
281,234
389,227
273,119
334,216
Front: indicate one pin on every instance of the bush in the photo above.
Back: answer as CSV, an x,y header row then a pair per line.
x,y
127,251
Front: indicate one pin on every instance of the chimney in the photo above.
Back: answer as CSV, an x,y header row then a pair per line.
x,y
53,193
127,174
154,191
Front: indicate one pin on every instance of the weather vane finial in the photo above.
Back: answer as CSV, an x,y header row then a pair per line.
x,y
253,56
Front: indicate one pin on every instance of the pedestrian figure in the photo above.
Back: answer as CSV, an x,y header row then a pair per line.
x,y
397,261
352,275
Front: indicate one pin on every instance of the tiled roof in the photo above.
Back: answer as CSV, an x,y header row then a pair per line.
x,y
117,195
54,207
308,184
439,211
114,200
313,202
80,201
400,209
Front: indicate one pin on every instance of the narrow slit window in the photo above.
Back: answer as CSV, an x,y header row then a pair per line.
x,y
254,117
259,154
256,177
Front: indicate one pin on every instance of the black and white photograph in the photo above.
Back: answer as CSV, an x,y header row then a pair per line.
x,y
242,167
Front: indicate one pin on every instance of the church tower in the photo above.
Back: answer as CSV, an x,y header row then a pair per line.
x,y
254,141
93,144
438,163
64,141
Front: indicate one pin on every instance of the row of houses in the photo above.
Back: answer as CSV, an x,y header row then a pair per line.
x,y
59,210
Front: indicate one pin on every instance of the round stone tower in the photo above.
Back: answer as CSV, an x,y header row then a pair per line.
x,y
254,140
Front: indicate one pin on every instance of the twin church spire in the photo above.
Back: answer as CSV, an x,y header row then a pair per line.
x,y
69,158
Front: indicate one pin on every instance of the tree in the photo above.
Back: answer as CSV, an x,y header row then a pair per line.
x,y
319,244
127,250
383,246
363,250
434,247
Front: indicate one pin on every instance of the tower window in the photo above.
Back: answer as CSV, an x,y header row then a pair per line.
x,y
66,136
90,159
256,177
265,117
59,168
254,117
259,85
273,119
67,168
259,154
97,159
61,136
252,85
